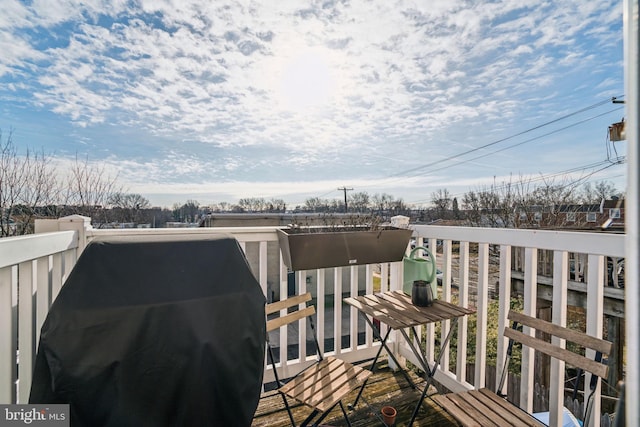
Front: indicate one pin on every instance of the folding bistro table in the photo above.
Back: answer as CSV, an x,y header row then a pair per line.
x,y
394,308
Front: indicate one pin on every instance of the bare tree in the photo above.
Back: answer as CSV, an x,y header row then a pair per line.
x,y
188,212
89,189
382,202
483,207
520,204
276,205
221,207
27,184
398,207
253,204
359,202
553,201
441,199
128,207
601,190
473,210
313,204
316,204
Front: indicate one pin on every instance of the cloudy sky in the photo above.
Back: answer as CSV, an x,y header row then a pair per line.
x,y
216,100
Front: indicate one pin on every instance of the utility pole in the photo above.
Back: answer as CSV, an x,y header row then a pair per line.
x,y
345,189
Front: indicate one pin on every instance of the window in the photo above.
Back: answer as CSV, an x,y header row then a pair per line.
x,y
537,216
614,213
571,217
591,217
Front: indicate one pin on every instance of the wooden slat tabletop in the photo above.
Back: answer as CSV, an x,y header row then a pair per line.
x,y
395,309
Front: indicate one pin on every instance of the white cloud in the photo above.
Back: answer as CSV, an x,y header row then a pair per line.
x,y
190,76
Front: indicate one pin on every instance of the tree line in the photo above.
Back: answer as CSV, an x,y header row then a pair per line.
x,y
31,186
522,203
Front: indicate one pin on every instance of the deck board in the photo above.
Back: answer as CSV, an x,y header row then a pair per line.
x,y
384,388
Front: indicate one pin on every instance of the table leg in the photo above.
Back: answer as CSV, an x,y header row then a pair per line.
x,y
383,342
376,333
416,350
432,372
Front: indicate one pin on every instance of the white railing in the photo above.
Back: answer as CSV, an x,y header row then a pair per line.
x,y
36,266
596,246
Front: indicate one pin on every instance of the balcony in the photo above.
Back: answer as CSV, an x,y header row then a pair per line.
x,y
478,270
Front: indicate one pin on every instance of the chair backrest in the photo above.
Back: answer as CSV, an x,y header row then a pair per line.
x,y
574,359
276,322
287,318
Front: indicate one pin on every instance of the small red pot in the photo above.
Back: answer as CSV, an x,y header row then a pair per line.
x,y
389,415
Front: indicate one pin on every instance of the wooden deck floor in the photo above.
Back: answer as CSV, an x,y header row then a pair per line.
x,y
384,388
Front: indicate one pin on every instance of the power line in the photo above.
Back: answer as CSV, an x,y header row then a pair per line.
x,y
521,143
590,107
577,181
404,174
326,194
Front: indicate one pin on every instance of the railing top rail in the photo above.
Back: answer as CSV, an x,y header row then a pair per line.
x,y
14,250
572,241
258,233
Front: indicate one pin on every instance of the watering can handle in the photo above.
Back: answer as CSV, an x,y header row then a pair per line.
x,y
431,259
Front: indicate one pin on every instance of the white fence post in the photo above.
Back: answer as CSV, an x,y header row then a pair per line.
x,y
8,335
26,329
77,223
631,18
559,317
482,314
530,305
595,323
504,307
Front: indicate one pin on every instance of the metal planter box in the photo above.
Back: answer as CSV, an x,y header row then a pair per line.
x,y
323,247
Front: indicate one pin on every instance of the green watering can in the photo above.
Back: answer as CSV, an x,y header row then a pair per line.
x,y
419,269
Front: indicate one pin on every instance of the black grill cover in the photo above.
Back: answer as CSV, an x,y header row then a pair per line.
x,y
155,331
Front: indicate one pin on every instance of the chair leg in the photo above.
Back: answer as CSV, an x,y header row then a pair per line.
x,y
346,417
286,405
324,415
311,416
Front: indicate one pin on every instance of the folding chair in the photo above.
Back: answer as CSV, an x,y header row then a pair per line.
x,y
322,385
484,407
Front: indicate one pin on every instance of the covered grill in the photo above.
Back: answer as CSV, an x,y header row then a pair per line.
x,y
155,331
